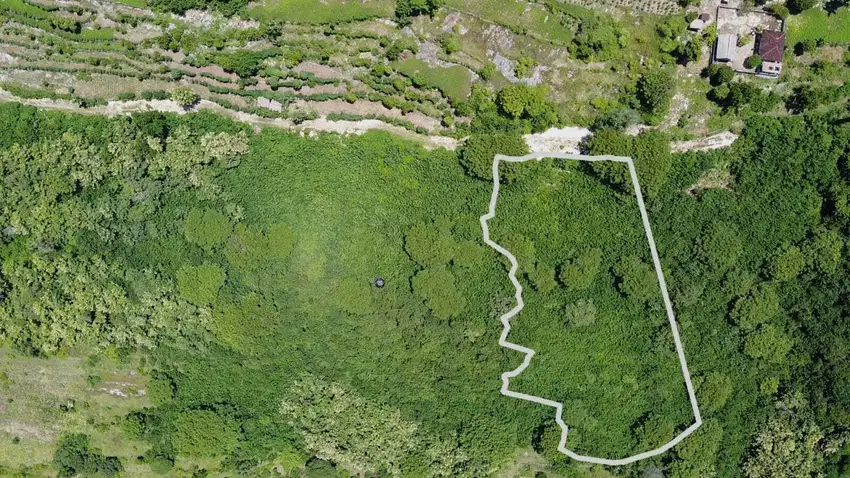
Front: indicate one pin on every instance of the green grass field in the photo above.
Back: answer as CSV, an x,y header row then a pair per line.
x,y
818,24
454,82
315,12
532,18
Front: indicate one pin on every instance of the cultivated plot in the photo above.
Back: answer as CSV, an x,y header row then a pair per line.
x,y
592,307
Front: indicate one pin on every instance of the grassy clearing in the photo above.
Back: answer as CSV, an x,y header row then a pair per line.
x,y
817,23
518,16
42,387
454,81
316,12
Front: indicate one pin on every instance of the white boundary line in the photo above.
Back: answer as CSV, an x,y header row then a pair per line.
x,y
529,353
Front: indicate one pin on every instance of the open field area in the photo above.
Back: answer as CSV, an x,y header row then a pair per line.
x,y
818,24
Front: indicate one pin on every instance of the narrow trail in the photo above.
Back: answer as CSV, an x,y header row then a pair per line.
x,y
529,353
114,108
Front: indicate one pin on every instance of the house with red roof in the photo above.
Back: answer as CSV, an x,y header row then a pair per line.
x,y
771,48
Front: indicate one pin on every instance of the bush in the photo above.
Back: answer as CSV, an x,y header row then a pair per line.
x,y
524,66
184,96
753,61
204,433
74,457
450,43
488,71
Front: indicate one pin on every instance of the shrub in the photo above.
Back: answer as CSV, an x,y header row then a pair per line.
x,y
204,433
488,71
184,96
524,66
450,43
753,61
200,285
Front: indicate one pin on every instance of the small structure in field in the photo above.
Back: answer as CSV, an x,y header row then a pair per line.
x,y
727,45
771,48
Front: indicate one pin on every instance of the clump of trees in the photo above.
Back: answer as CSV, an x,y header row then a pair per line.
x,y
74,456
405,10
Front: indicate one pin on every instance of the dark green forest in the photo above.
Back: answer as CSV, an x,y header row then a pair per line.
x,y
240,266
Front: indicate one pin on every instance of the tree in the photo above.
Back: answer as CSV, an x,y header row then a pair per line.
x,y
637,279
74,457
542,276
788,445
769,342
823,251
759,306
436,286
519,101
206,228
200,285
204,433
714,392
690,51
579,273
788,264
719,74
779,10
655,90
184,96
338,425
450,43
581,314
617,119
753,61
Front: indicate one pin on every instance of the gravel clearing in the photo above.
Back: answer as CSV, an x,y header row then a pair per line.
x,y
562,140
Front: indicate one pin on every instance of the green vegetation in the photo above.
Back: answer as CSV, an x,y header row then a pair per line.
x,y
184,96
241,268
453,81
313,12
818,24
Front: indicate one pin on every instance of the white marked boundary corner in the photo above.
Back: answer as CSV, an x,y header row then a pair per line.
x,y
529,353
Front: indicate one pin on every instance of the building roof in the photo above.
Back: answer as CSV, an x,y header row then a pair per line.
x,y
772,46
726,45
696,25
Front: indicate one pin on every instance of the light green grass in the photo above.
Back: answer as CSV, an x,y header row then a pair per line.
x,y
316,12
40,386
19,6
519,16
454,81
817,23
133,3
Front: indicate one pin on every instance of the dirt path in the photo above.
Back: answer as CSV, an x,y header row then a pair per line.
x,y
114,108
715,141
